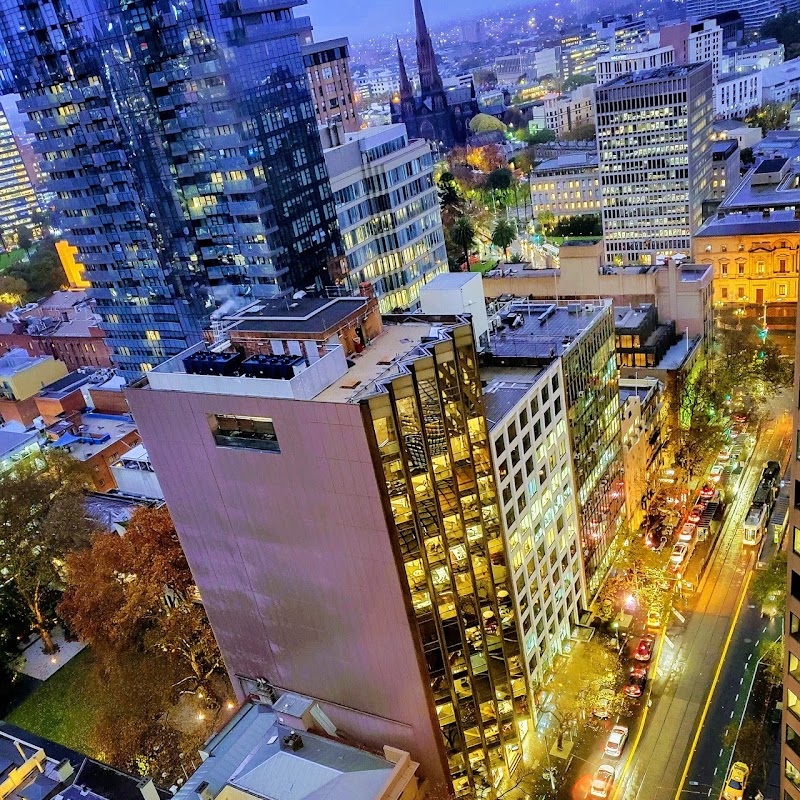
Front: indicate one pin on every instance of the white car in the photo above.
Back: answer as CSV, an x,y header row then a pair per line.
x,y
616,741
679,553
687,532
602,782
716,472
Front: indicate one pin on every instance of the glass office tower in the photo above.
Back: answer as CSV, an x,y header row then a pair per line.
x,y
180,141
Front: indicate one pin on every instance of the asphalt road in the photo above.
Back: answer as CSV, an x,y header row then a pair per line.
x,y
691,655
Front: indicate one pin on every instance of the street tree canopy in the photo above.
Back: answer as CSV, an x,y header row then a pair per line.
x,y
769,585
42,520
503,235
486,123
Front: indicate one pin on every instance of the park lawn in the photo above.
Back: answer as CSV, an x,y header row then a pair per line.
x,y
7,259
62,708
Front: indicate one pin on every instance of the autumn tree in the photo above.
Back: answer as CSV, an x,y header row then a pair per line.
x,y
486,158
118,597
42,520
12,292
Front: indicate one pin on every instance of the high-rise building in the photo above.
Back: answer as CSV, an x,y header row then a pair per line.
x,y
182,148
694,42
388,208
17,198
332,89
342,524
435,114
581,335
753,12
653,137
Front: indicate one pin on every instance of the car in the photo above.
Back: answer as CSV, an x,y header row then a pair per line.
x,y
636,682
696,514
725,453
736,781
654,618
602,708
644,651
678,554
687,532
616,741
715,473
707,492
740,417
602,782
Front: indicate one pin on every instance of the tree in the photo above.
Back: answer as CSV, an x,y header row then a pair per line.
x,y
747,156
770,116
580,133
15,625
24,238
463,236
546,220
43,272
499,179
577,80
772,657
116,597
503,235
486,158
769,585
448,192
12,292
579,225
541,136
42,519
786,29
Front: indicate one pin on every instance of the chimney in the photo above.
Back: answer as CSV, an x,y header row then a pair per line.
x,y
64,770
203,792
148,789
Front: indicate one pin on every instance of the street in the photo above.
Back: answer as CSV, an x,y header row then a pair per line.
x,y
700,653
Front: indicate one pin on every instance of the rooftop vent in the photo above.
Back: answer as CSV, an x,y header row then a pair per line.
x,y
293,742
206,363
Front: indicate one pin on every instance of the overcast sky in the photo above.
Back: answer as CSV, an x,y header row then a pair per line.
x,y
360,18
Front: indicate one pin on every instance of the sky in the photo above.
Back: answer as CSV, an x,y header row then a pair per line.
x,y
361,18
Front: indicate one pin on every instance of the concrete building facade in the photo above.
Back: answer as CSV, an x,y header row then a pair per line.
x,y
566,112
566,186
653,135
332,91
737,94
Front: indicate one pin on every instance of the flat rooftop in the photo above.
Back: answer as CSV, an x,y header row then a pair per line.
x,y
783,191
96,433
657,74
568,163
249,754
12,440
504,388
309,317
68,384
742,223
544,330
631,317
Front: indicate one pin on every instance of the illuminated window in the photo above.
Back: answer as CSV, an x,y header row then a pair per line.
x,y
153,336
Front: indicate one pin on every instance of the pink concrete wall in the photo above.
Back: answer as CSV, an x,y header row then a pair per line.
x,y
293,559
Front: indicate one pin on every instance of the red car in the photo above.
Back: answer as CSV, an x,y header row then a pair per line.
x,y
707,492
636,682
696,514
644,652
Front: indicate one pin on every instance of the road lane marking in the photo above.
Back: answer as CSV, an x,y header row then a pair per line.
x,y
707,705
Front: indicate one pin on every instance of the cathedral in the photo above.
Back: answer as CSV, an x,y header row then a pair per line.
x,y
435,114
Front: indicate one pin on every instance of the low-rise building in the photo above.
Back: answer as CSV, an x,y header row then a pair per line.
x,y
753,241
388,209
21,377
781,82
758,55
271,744
17,445
134,475
644,439
745,135
737,94
566,112
566,185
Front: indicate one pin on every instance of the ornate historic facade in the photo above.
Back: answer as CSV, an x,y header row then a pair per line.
x,y
435,114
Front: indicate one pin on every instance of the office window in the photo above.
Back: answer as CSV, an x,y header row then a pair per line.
x,y
251,433
796,540
794,585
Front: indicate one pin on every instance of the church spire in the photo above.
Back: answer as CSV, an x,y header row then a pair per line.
x,y
406,92
429,77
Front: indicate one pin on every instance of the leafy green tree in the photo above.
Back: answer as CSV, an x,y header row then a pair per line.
x,y
463,236
499,180
786,29
43,272
769,585
15,624
541,136
24,238
772,657
42,520
546,220
747,156
577,80
579,225
503,235
580,133
770,116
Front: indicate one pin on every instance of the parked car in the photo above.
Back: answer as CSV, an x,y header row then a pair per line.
x,y
602,782
644,651
736,781
707,492
696,514
654,618
636,682
616,741
679,553
715,472
688,530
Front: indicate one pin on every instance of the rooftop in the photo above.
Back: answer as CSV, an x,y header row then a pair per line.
x,y
18,360
724,149
505,387
250,754
307,317
95,433
658,74
743,223
772,183
541,330
13,440
69,383
569,162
